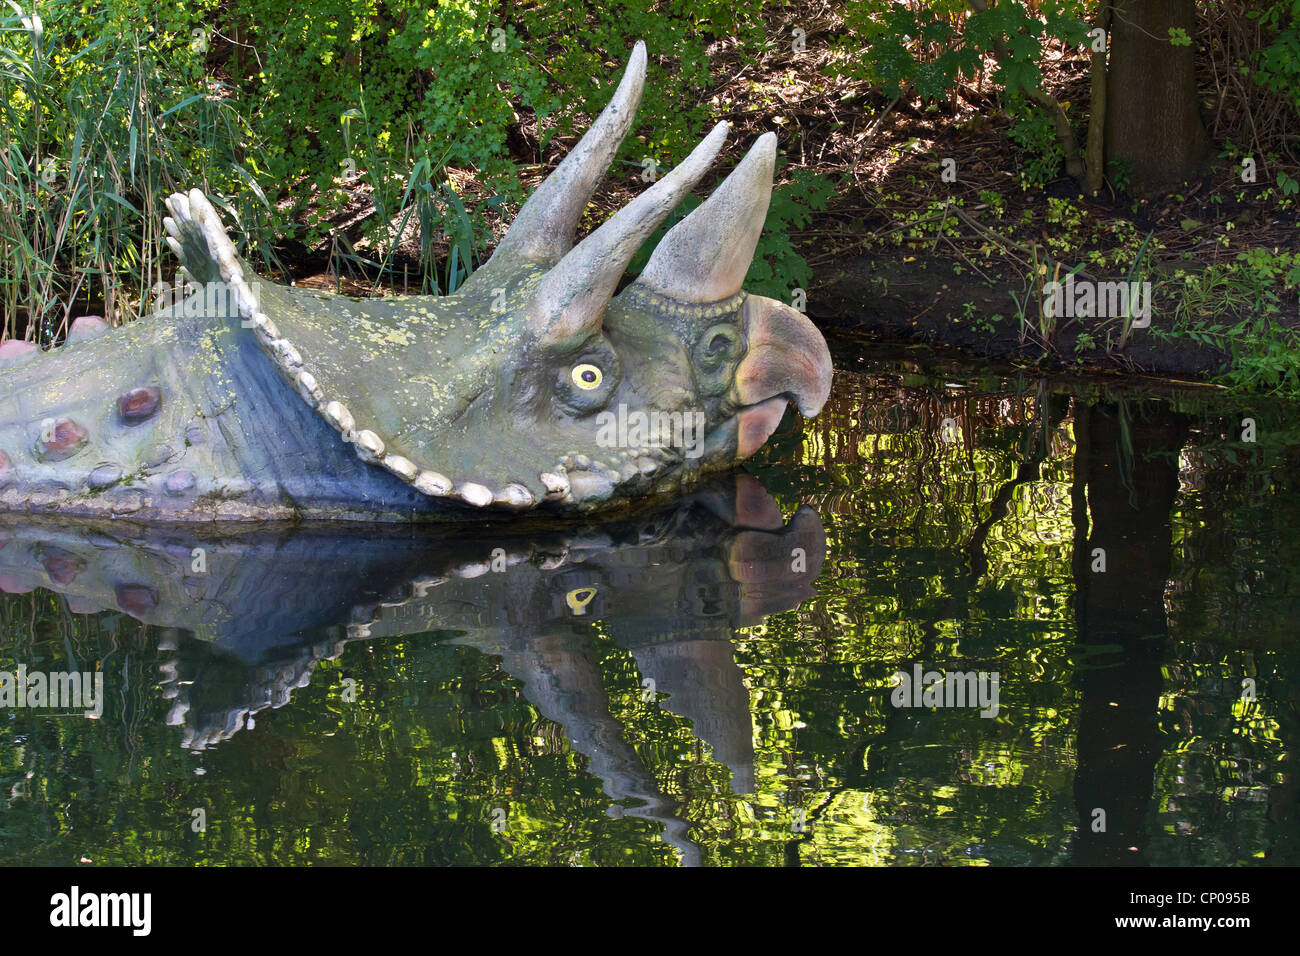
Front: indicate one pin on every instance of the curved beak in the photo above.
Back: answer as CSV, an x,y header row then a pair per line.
x,y
787,360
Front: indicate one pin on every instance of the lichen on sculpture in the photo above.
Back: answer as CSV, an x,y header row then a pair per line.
x,y
533,387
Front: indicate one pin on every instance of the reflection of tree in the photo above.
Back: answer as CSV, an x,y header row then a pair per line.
x,y
1125,485
951,544
1229,788
1226,584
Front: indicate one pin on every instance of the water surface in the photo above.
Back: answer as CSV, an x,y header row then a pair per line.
x,y
714,682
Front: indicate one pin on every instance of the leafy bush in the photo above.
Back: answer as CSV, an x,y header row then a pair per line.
x,y
1032,130
1237,307
443,76
1278,65
929,45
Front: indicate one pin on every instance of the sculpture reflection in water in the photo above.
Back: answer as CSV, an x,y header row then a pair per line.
x,y
247,616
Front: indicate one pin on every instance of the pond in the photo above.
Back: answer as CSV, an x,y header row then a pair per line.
x,y
965,617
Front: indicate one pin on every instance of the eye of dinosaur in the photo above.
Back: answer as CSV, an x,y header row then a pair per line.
x,y
586,376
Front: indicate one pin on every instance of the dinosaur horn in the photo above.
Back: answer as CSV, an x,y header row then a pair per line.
x,y
704,257
543,231
570,299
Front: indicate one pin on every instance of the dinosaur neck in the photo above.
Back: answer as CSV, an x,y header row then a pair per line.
x,y
179,417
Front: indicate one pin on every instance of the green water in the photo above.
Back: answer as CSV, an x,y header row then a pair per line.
x,y
712,683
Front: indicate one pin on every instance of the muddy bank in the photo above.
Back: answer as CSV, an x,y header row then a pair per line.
x,y
888,297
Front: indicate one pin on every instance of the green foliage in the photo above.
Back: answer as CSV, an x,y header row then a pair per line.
x,y
1277,65
1032,130
1120,171
777,267
677,34
1238,307
929,46
424,72
1067,221
408,105
447,74
102,114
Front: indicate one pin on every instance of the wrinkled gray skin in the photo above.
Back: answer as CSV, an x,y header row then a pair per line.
x,y
670,585
254,400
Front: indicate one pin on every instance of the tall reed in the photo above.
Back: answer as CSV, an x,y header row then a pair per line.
x,y
103,114
94,131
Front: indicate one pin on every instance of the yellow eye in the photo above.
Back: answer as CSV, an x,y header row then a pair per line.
x,y
586,376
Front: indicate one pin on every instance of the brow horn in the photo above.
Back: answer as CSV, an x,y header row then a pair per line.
x,y
544,229
570,299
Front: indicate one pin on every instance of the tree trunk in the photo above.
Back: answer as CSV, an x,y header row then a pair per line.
x,y
1153,119
1094,153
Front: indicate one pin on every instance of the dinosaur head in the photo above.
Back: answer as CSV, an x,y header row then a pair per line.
x,y
535,383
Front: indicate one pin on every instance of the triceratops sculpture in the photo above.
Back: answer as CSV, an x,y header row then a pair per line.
x,y
534,385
